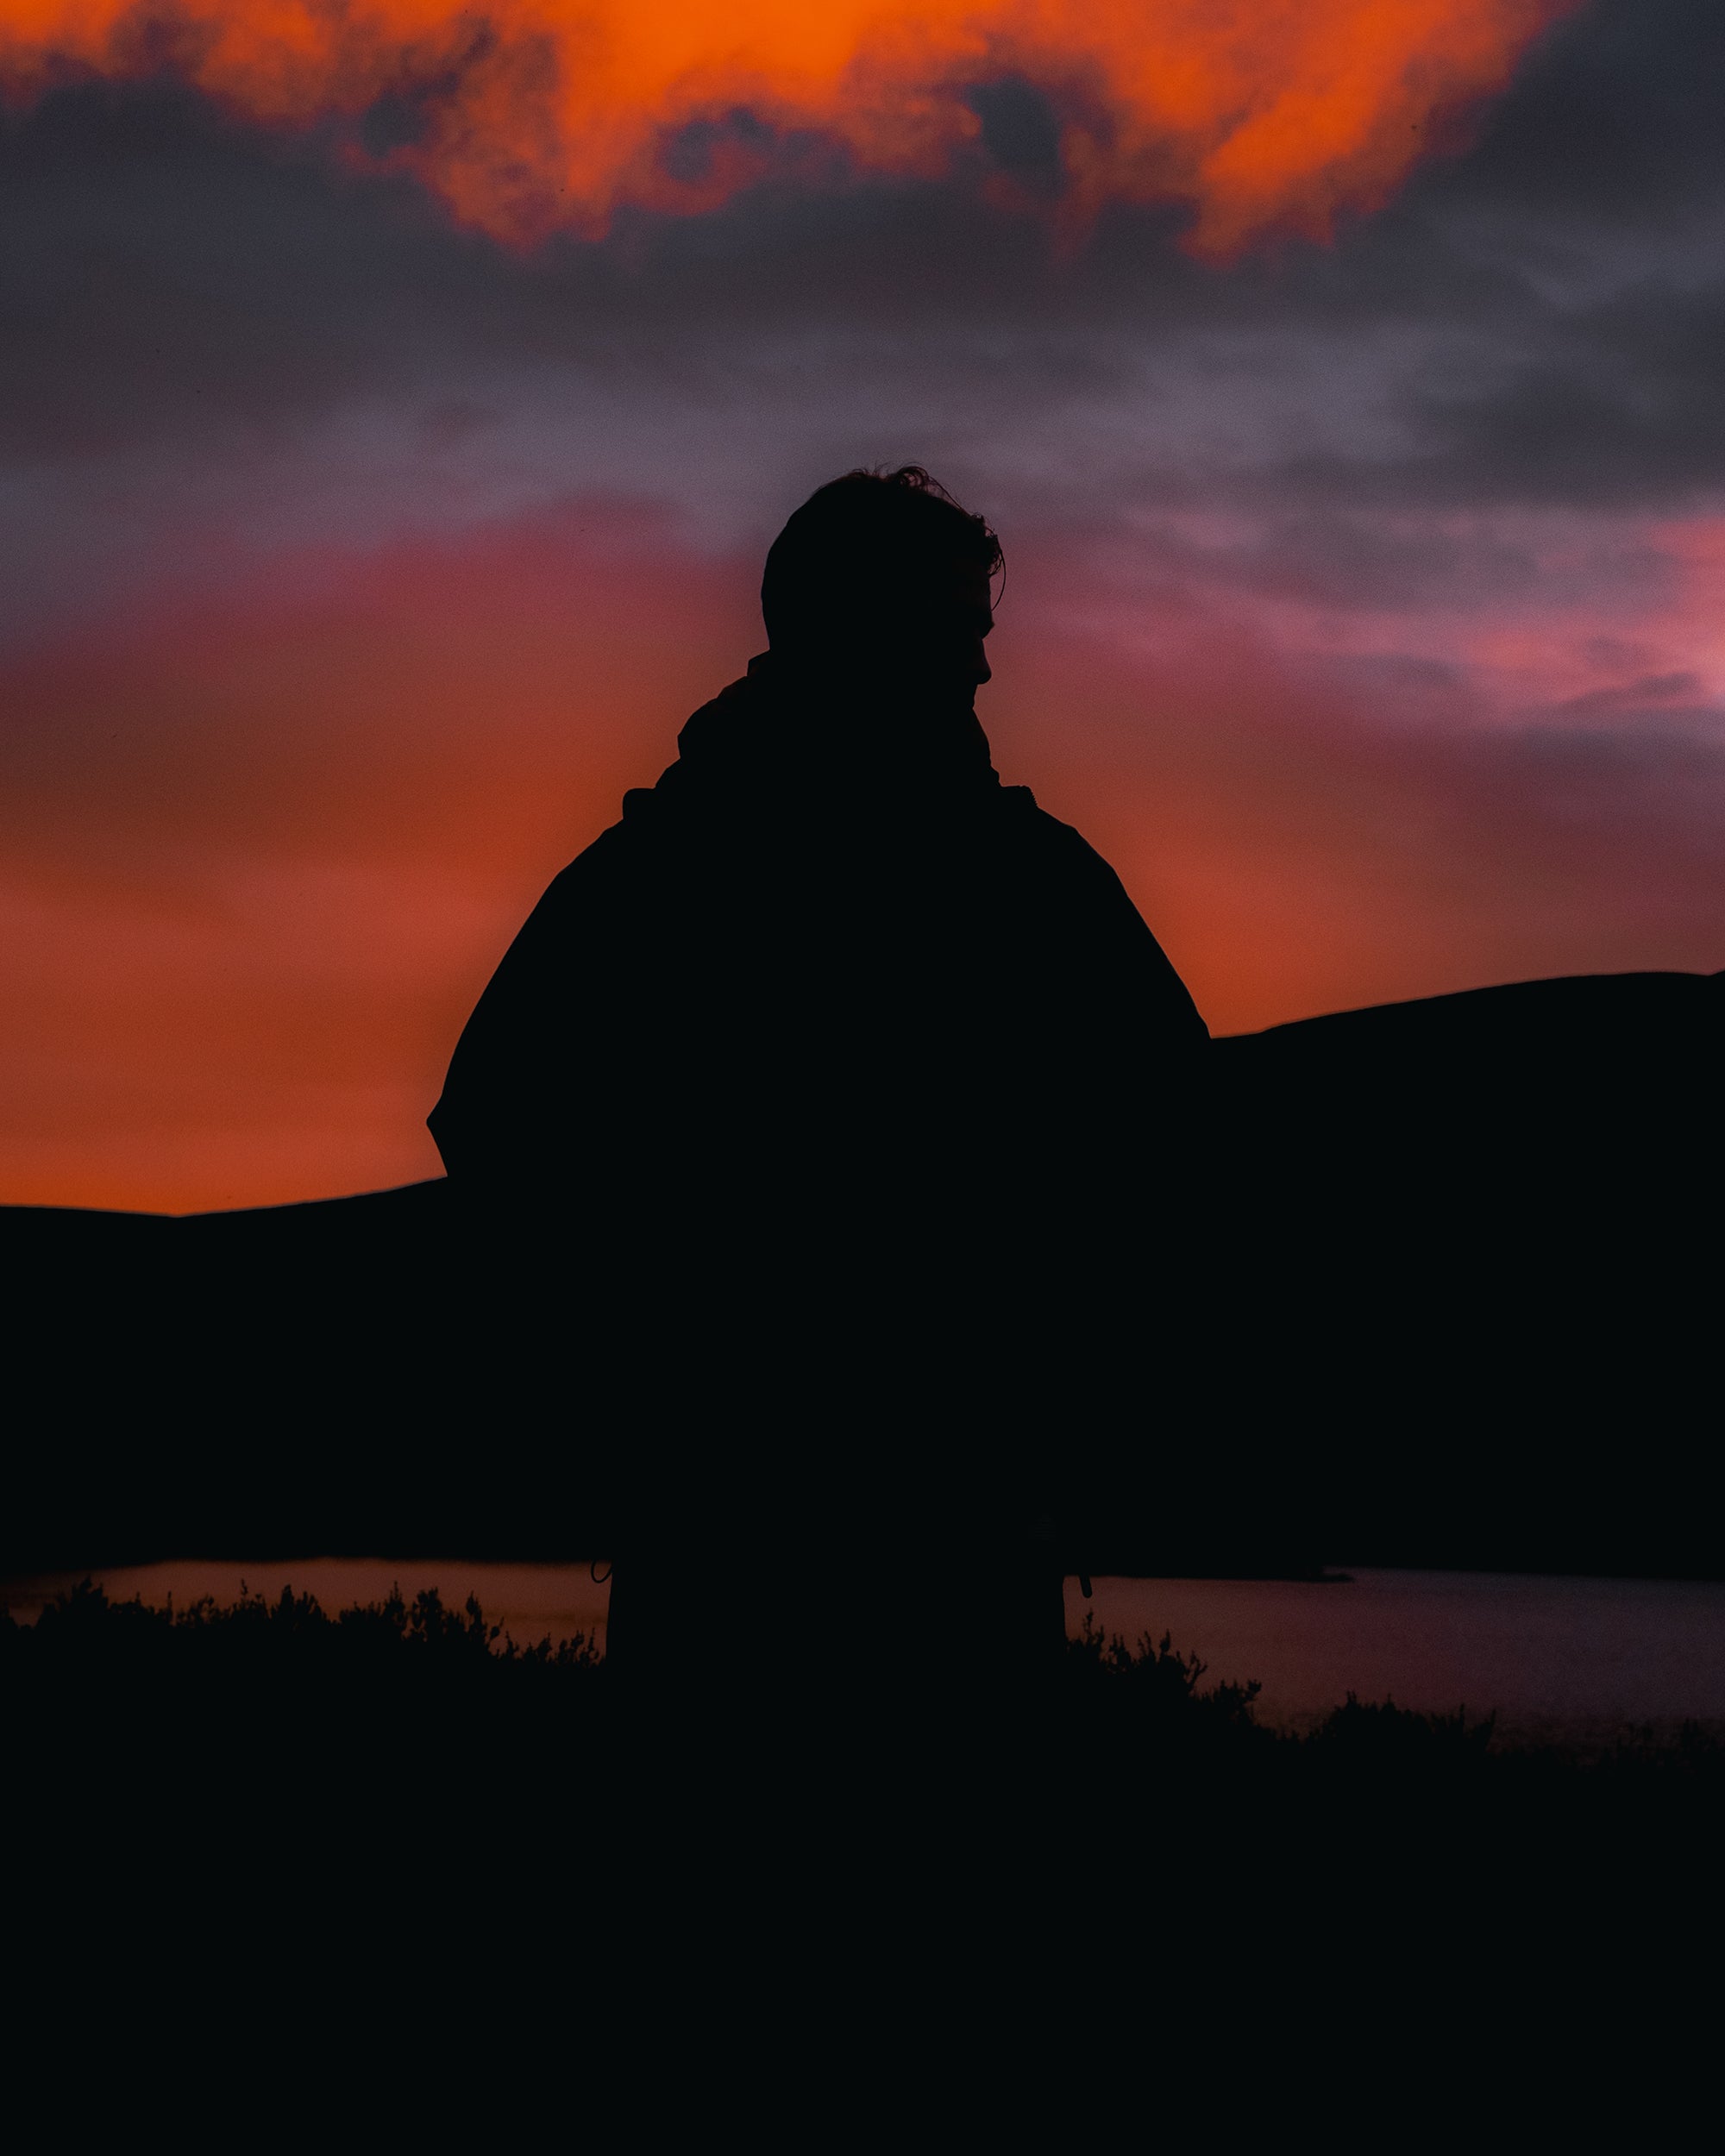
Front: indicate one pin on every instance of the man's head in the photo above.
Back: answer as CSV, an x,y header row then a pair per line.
x,y
883,576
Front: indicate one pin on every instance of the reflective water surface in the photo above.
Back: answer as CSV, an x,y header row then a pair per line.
x,y
1570,1657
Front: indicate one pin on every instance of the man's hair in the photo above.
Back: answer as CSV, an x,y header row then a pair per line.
x,y
870,540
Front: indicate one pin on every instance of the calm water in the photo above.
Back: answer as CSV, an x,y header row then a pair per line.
x,y
1573,1658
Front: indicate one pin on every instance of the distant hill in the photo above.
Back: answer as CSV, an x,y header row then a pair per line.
x,y
1451,1296
1479,1270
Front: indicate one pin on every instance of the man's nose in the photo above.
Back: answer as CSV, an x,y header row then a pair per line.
x,y
984,671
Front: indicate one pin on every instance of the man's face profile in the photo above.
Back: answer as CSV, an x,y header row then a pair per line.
x,y
929,635
965,621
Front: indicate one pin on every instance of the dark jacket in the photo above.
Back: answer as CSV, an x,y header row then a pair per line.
x,y
814,949
818,1095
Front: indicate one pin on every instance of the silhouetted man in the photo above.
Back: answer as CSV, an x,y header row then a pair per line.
x,y
820,1093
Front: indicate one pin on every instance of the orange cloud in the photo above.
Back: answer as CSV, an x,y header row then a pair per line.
x,y
1266,117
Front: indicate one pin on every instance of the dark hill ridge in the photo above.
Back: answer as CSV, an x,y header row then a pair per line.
x,y
1572,1012
1454,1300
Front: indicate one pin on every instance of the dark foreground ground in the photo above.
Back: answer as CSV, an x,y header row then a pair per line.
x,y
242,1754
268,1864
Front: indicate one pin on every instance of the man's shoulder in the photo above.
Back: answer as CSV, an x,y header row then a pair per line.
x,y
655,825
1035,830
607,863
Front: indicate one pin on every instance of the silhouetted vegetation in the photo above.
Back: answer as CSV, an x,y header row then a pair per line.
x,y
225,1664
397,1804
83,1622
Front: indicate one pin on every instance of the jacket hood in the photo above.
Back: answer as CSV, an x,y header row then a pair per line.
x,y
777,733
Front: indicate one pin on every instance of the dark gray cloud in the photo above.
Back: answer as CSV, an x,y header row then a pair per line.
x,y
1540,320
1613,123
155,272
1572,267
1621,403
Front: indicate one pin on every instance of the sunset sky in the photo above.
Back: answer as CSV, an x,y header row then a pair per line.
x,y
397,400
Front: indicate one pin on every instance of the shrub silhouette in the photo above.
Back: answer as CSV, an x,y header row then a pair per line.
x,y
83,1624
1165,1683
261,1769
423,1647
1388,1733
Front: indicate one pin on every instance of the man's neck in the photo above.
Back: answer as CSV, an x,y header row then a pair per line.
x,y
873,693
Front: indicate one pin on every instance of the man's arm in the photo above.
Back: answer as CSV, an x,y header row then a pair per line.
x,y
1112,985
535,1077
